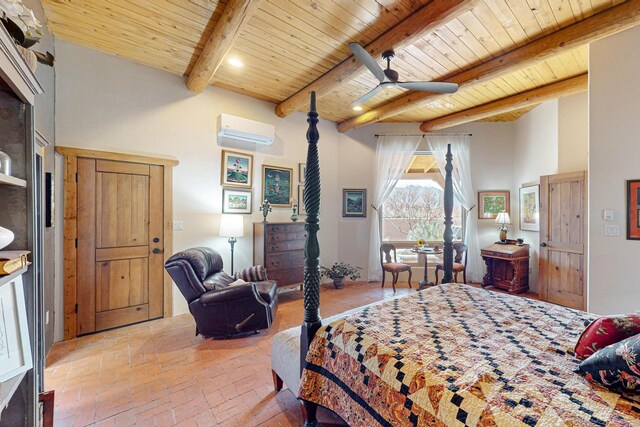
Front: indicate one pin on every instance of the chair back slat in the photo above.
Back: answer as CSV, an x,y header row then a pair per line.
x,y
461,250
385,253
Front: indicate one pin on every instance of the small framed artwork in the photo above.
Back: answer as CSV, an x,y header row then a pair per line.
x,y
354,202
277,185
301,209
236,201
633,209
236,169
49,192
302,171
491,203
15,349
530,208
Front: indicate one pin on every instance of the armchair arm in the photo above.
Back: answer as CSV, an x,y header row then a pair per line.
x,y
231,293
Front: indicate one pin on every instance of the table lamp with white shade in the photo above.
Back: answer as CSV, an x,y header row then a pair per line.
x,y
503,219
231,226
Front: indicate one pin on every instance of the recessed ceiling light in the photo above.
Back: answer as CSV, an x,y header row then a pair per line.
x,y
357,107
235,62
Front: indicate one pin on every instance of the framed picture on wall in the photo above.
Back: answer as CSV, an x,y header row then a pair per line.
x,y
492,202
15,348
530,208
301,209
633,209
277,185
236,169
354,202
236,201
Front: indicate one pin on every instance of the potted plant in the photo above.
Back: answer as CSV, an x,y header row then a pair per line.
x,y
20,22
339,271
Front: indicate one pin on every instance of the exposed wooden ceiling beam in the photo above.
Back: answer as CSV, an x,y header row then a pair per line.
x,y
522,100
603,24
406,32
235,16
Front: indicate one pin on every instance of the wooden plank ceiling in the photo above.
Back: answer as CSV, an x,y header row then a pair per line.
x,y
287,44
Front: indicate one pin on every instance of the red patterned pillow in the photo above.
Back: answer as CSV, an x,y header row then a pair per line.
x,y
605,331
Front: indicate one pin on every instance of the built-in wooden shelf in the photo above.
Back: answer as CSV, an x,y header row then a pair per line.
x,y
10,277
12,180
9,387
7,390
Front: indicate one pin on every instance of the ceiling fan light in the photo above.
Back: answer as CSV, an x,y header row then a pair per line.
x,y
357,108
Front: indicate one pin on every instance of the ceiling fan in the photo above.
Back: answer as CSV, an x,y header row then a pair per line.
x,y
389,78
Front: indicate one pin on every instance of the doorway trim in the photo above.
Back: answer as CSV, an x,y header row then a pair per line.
x,y
71,156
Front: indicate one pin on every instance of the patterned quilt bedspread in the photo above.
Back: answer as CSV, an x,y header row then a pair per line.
x,y
455,355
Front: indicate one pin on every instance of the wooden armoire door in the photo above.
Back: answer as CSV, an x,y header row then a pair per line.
x,y
563,225
120,241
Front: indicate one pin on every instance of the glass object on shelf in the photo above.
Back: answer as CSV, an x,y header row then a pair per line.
x,y
5,163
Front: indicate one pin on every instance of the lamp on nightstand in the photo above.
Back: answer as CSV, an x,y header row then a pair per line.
x,y
231,226
503,219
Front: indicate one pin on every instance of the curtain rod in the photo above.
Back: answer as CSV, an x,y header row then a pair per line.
x,y
424,134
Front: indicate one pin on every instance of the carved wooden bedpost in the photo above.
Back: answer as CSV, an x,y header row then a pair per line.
x,y
447,256
311,322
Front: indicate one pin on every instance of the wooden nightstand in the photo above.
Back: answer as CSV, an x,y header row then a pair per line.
x,y
507,267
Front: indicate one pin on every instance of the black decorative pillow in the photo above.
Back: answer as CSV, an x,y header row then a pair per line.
x,y
616,366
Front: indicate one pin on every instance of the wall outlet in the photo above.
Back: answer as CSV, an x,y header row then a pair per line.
x,y
611,230
46,318
178,225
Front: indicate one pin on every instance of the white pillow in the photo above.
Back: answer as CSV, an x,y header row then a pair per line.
x,y
237,282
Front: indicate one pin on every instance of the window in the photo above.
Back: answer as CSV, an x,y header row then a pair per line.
x,y
415,208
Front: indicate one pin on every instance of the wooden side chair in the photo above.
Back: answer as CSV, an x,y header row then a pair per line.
x,y
394,267
458,265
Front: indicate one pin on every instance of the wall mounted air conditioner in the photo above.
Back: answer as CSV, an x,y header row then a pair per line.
x,y
241,129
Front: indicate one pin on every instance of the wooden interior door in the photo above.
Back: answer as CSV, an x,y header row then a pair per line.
x,y
563,225
120,239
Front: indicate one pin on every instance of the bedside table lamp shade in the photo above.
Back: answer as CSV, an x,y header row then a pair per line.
x,y
231,226
503,219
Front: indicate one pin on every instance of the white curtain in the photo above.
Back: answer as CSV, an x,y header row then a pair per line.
x,y
393,155
463,191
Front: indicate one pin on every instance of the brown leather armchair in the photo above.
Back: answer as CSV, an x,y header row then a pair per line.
x,y
220,310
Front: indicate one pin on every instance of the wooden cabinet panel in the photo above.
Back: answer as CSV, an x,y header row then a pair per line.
x,y
507,267
280,248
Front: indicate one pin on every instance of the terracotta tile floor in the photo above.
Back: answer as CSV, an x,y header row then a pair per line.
x,y
159,374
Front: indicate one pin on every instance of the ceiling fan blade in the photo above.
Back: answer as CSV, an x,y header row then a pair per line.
x,y
368,61
367,96
436,87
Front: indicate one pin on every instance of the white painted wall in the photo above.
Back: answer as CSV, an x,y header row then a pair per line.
x,y
614,157
107,103
573,133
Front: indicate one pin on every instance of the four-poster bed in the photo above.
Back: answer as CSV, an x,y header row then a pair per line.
x,y
449,355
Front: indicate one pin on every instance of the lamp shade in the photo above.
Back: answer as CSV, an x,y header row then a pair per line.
x,y
231,226
503,218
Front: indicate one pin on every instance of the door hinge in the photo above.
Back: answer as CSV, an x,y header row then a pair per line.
x,y
76,177
76,308
76,243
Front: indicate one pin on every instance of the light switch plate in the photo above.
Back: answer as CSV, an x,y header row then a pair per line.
x,y
607,215
611,230
178,225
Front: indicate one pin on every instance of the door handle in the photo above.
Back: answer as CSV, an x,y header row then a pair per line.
x,y
157,251
543,245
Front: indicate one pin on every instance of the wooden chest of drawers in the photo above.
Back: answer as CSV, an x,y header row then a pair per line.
x,y
279,246
507,267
